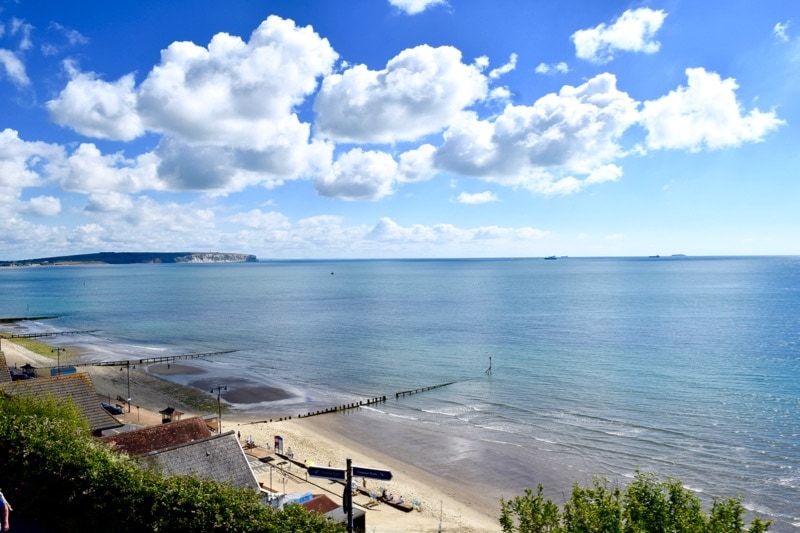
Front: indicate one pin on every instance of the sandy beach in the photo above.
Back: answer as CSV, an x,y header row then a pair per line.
x,y
318,440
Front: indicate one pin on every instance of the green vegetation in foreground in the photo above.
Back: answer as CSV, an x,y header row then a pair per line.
x,y
50,461
647,505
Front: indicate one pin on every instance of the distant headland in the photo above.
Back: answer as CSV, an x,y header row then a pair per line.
x,y
128,258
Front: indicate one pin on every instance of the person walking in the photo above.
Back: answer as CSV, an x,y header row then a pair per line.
x,y
5,507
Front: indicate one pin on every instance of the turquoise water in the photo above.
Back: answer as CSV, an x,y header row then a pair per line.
x,y
686,366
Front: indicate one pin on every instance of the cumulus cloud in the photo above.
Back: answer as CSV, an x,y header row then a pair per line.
x,y
538,146
43,206
704,114
360,175
109,202
87,170
231,104
632,32
420,91
235,92
477,198
96,108
414,7
23,163
417,164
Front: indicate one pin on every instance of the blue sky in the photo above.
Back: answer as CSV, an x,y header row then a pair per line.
x,y
400,128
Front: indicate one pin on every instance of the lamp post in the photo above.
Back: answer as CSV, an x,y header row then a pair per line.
x,y
128,366
58,351
219,389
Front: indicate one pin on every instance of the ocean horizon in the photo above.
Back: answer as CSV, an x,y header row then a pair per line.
x,y
684,366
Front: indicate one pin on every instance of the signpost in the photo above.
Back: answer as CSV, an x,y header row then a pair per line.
x,y
346,475
372,473
338,474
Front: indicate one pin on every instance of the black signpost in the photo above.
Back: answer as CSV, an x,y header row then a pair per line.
x,y
338,474
346,475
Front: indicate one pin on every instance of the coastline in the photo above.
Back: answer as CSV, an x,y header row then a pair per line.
x,y
321,440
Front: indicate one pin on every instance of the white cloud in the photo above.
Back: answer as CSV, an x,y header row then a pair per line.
x,y
22,29
631,32
477,198
226,112
704,114
359,175
419,92
780,31
22,164
574,131
447,240
414,7
560,68
109,202
43,206
237,93
14,68
87,170
417,164
505,69
97,108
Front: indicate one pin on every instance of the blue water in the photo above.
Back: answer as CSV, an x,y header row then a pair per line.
x,y
686,366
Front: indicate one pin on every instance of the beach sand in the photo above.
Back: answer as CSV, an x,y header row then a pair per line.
x,y
321,440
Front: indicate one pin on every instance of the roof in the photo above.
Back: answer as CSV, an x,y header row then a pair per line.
x,y
320,504
5,374
76,387
219,457
150,439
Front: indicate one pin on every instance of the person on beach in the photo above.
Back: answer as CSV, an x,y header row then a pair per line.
x,y
5,507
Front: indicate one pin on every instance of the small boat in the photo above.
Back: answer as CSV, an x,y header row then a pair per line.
x,y
550,257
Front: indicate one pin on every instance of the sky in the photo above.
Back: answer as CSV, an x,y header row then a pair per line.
x,y
333,129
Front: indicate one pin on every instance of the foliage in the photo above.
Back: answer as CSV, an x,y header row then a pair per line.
x,y
49,460
647,505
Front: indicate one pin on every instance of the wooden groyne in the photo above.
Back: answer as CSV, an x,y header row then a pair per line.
x,y
423,389
161,359
24,318
50,334
345,407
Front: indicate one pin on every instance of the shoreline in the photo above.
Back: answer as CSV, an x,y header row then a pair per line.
x,y
321,440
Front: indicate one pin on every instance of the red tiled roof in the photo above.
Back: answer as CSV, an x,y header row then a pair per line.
x,y
150,439
321,504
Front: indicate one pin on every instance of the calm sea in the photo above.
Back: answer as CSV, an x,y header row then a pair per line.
x,y
689,367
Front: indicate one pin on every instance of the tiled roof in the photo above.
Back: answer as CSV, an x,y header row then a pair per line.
x,y
77,387
320,504
5,374
150,439
219,457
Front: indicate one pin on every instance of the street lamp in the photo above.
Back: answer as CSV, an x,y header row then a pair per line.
x,y
219,389
128,365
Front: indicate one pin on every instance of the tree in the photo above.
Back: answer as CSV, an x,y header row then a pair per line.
x,y
529,514
647,505
49,460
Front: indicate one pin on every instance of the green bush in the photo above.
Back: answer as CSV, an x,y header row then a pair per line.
x,y
61,478
647,505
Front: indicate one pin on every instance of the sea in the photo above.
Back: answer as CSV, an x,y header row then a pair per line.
x,y
552,371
